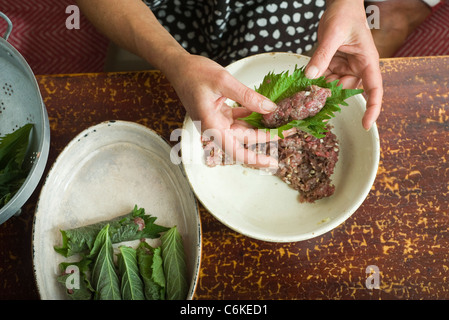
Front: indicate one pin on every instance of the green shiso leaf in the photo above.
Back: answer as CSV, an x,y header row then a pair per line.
x,y
151,269
123,228
277,87
105,279
77,284
175,268
131,285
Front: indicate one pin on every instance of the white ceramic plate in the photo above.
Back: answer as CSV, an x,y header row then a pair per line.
x,y
101,174
262,206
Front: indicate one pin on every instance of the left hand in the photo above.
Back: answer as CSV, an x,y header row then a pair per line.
x,y
346,51
203,86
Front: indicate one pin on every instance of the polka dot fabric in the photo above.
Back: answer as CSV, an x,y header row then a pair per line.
x,y
228,30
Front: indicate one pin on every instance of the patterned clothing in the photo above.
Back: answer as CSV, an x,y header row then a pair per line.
x,y
228,30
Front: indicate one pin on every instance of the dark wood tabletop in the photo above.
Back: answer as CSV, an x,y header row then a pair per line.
x,y
402,228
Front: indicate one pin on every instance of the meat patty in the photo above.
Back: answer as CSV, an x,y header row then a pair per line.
x,y
301,105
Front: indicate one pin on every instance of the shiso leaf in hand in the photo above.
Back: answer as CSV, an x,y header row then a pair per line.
x,y
277,87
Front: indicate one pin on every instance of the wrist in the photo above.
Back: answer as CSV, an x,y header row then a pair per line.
x,y
347,11
171,60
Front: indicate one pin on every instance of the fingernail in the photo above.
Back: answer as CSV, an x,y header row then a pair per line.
x,y
367,124
368,127
312,72
268,105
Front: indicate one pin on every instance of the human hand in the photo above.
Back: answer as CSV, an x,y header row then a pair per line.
x,y
203,86
346,51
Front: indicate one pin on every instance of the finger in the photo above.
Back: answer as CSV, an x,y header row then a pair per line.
x,y
373,107
372,83
349,82
242,124
249,135
323,55
340,65
248,98
236,151
254,159
240,112
332,77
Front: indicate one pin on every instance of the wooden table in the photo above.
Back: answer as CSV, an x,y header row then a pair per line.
x,y
401,228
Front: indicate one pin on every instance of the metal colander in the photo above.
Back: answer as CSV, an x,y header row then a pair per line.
x,y
21,103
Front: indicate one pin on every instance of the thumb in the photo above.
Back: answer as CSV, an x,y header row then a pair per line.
x,y
248,98
322,57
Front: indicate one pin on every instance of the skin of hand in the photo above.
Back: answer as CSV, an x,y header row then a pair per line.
x,y
346,51
203,86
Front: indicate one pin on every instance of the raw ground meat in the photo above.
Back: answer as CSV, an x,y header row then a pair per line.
x,y
299,106
306,164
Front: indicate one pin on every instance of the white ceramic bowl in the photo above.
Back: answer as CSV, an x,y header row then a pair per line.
x,y
263,207
101,174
